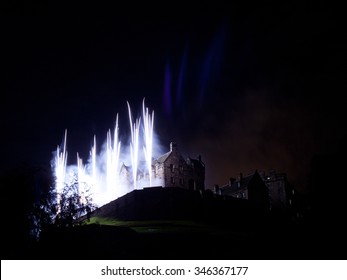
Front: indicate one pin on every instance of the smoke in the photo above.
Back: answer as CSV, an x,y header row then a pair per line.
x,y
109,172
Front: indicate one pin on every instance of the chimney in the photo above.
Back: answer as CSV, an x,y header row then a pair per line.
x,y
173,146
240,180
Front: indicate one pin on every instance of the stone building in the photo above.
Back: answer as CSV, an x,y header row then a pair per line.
x,y
270,187
250,187
169,170
174,171
281,193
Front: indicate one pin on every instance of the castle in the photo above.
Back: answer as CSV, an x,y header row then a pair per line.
x,y
180,192
272,189
172,170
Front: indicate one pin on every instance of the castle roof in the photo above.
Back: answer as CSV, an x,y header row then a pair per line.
x,y
141,167
196,162
240,184
163,157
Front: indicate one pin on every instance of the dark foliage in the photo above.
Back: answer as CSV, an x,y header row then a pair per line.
x,y
61,209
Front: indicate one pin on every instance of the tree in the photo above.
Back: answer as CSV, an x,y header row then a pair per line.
x,y
72,205
60,209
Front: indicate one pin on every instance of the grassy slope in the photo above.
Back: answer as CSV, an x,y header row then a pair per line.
x,y
163,226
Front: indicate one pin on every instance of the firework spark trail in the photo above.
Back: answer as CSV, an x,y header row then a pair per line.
x,y
81,179
101,177
134,145
94,170
116,153
148,131
109,162
112,154
60,169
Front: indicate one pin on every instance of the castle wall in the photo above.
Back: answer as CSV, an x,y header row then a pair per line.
x,y
175,171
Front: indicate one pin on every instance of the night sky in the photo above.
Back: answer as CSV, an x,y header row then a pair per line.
x,y
245,86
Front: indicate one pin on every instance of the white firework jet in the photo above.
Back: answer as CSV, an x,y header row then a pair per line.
x,y
134,145
112,161
60,169
148,121
100,177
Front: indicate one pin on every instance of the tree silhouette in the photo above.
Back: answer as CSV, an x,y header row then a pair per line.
x,y
72,205
60,209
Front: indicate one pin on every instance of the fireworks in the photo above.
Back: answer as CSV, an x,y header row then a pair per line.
x,y
101,174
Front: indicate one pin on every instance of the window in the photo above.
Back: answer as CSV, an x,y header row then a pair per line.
x,y
180,168
172,180
172,167
181,182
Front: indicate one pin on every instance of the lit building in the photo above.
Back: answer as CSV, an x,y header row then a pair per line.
x,y
170,170
174,171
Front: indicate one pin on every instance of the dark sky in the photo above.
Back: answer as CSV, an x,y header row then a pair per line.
x,y
245,86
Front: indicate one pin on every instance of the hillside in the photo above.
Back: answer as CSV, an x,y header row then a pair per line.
x,y
168,223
